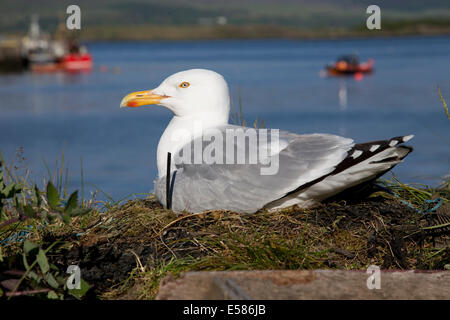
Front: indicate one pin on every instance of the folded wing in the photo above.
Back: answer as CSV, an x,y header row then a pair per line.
x,y
285,161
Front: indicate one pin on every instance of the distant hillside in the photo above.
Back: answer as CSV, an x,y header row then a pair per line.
x,y
107,17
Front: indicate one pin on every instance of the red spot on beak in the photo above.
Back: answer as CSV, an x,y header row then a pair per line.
x,y
132,104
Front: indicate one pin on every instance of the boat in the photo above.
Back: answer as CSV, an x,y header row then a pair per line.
x,y
72,62
77,62
350,65
45,54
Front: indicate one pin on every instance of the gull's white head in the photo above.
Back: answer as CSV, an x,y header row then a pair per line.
x,y
190,93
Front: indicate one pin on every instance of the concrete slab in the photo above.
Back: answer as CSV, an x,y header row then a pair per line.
x,y
305,284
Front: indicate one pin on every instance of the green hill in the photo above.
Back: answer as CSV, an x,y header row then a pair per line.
x,y
106,18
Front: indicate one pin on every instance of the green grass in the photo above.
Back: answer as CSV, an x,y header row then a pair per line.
x,y
444,104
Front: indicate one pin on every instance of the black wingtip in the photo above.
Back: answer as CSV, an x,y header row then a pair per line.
x,y
361,152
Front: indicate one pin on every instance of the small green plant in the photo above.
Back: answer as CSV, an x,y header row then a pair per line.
x,y
29,271
7,193
15,204
57,208
40,277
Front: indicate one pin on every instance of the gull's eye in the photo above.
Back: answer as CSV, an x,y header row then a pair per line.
x,y
184,84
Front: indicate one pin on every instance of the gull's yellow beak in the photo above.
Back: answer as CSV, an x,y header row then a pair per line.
x,y
141,98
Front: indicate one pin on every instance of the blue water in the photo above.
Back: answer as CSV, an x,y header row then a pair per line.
x,y
278,79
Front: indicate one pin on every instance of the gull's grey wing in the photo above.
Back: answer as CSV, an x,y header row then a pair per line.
x,y
248,186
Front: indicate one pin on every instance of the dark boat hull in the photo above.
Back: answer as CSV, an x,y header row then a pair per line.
x,y
336,69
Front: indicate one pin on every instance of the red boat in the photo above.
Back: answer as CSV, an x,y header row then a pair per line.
x,y
350,65
77,62
42,53
72,62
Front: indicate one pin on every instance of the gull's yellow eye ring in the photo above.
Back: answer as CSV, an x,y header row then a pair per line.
x,y
184,84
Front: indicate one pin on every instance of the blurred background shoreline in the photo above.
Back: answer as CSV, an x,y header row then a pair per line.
x,y
119,20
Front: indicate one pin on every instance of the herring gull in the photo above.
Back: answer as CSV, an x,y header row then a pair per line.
x,y
219,166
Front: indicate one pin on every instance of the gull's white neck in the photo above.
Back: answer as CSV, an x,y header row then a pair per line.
x,y
180,131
